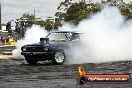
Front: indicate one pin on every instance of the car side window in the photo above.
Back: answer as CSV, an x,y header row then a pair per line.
x,y
75,37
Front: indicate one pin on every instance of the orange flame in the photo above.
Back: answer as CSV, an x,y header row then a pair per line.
x,y
81,71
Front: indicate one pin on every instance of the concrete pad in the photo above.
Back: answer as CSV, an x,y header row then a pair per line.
x,y
8,45
6,56
7,53
1,46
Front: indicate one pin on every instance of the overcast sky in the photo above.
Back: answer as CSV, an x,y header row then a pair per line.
x,y
13,9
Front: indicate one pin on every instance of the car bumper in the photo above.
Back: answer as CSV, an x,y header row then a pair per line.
x,y
38,54
33,53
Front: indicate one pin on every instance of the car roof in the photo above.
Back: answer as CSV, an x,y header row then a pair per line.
x,y
66,32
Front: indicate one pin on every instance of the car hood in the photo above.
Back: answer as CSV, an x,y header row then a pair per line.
x,y
51,43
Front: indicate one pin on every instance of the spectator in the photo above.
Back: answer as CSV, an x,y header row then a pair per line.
x,y
8,27
17,27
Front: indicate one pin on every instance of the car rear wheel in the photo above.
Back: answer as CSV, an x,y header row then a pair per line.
x,y
31,61
59,57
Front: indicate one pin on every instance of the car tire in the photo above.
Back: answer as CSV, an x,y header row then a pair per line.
x,y
31,61
59,57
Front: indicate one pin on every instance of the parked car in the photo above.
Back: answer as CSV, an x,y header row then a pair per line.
x,y
52,47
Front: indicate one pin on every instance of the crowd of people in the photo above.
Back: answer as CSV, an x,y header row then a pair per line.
x,y
20,29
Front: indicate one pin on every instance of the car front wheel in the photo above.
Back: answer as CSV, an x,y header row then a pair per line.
x,y
31,61
59,57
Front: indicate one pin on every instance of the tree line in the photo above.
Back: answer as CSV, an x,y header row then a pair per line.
x,y
75,12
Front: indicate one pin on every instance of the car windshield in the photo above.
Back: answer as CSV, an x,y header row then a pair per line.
x,y
59,36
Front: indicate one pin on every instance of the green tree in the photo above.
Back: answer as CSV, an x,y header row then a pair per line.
x,y
28,18
79,11
57,23
48,25
125,9
76,12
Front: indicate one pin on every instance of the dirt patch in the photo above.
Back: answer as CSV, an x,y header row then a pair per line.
x,y
16,73
6,57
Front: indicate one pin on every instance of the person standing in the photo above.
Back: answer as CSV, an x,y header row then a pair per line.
x,y
8,27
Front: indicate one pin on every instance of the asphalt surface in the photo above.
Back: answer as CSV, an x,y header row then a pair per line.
x,y
6,49
16,73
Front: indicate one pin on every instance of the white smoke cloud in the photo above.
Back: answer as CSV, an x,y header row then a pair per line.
x,y
107,37
32,35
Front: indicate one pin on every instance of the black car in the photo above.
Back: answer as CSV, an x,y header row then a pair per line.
x,y
52,47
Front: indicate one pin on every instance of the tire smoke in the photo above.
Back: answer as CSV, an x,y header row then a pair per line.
x,y
32,35
106,37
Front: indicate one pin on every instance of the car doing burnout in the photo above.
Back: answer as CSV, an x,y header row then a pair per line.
x,y
52,47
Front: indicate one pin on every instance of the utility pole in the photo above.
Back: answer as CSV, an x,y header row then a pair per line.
x,y
0,17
